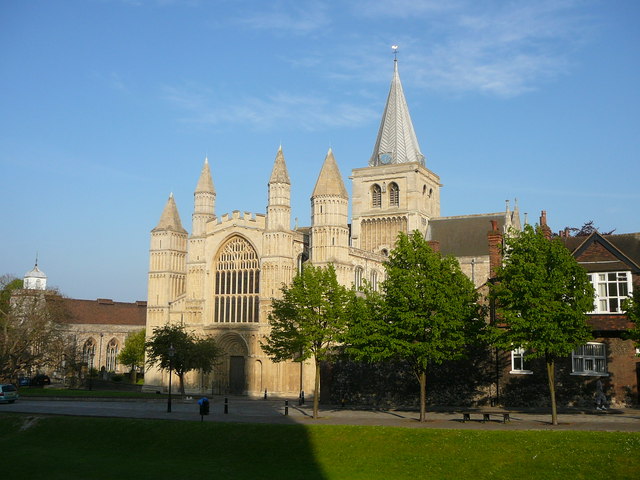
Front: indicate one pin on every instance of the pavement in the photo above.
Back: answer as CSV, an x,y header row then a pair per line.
x,y
245,410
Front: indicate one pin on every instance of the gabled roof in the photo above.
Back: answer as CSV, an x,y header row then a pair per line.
x,y
105,312
397,141
170,218
205,183
464,236
330,180
623,251
279,174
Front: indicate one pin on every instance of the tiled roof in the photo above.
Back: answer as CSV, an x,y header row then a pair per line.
x,y
105,311
465,235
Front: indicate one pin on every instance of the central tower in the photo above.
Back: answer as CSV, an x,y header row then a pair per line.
x,y
396,192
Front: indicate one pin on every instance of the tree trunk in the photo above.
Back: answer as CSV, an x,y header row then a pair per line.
x,y
423,396
551,375
316,390
181,377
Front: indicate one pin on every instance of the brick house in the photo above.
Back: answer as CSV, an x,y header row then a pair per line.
x,y
613,265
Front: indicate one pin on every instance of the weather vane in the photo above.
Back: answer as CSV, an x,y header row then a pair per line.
x,y
395,51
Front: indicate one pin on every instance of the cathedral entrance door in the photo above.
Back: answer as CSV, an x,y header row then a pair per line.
x,y
236,375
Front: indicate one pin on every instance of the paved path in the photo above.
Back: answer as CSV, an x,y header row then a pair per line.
x,y
272,411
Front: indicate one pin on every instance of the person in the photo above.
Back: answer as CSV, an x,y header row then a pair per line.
x,y
601,398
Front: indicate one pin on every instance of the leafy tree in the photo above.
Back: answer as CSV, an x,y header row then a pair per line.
x,y
631,307
542,296
308,320
190,351
133,352
428,312
30,328
585,230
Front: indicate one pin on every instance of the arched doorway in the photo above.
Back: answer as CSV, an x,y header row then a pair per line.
x,y
234,376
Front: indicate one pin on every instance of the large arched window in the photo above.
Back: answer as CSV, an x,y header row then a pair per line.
x,y
376,196
112,355
237,281
88,352
394,195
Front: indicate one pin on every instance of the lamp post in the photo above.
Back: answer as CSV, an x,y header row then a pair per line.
x,y
172,352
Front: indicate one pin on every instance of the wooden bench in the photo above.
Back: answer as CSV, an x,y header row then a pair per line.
x,y
486,416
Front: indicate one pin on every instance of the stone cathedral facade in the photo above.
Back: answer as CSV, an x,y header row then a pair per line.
x,y
219,279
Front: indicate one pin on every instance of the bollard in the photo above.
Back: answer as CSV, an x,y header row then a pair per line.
x,y
302,396
286,407
265,393
226,405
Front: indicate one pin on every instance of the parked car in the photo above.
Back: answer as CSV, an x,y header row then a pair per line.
x,y
40,380
24,381
8,393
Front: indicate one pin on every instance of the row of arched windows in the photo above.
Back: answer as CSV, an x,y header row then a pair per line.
x,y
393,194
111,355
359,279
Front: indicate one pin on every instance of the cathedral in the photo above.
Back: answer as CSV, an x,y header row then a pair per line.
x,y
219,279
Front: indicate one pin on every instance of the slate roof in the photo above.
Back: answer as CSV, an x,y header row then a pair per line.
x,y
626,247
464,236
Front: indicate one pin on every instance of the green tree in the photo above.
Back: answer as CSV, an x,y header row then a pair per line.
x,y
308,320
542,296
132,354
190,352
427,313
631,307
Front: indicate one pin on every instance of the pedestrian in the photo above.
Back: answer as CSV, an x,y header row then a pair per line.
x,y
601,398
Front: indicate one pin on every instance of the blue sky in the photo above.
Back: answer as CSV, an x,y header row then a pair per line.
x,y
107,106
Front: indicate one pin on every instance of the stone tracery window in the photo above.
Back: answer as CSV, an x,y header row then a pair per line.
x,y
376,196
394,194
112,355
88,349
237,281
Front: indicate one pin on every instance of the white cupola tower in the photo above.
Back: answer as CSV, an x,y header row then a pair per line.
x,y
35,279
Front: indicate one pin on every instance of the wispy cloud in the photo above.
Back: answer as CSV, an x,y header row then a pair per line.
x,y
497,48
309,112
287,17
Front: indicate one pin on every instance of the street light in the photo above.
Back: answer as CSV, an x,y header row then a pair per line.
x,y
172,352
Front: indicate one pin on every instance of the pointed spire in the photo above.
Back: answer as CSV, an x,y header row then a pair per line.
x,y
279,174
397,141
170,218
205,184
330,180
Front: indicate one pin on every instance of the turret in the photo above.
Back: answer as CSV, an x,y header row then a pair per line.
x,y
168,253
204,201
329,218
279,201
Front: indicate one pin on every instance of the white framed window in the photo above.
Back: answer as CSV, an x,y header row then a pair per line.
x,y
590,359
519,362
612,288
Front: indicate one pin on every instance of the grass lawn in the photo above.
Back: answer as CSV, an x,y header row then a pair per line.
x,y
37,447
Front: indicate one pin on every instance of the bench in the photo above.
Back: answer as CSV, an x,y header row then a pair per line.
x,y
486,416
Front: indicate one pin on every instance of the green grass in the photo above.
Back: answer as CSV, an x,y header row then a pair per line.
x,y
67,392
37,447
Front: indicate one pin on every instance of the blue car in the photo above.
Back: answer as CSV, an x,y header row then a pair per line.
x,y
8,393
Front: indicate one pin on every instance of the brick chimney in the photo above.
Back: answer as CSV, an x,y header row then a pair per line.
x,y
435,245
494,237
543,225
